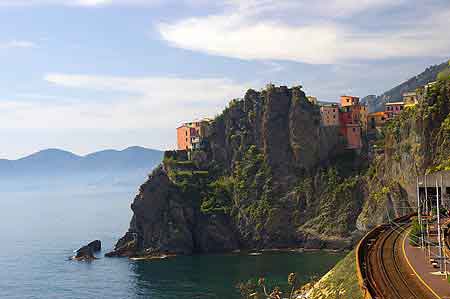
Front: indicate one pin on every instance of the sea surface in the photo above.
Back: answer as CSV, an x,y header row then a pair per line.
x,y
41,229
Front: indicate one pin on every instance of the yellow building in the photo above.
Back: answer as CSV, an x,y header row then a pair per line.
x,y
376,120
312,100
410,98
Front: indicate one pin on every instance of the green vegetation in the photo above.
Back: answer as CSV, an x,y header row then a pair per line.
x,y
414,233
260,289
253,185
218,195
444,74
335,207
340,282
379,195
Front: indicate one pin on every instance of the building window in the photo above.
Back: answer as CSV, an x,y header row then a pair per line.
x,y
354,130
348,101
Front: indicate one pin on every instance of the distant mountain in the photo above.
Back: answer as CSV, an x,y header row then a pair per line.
x,y
376,103
53,162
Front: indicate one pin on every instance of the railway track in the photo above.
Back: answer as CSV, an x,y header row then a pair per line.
x,y
387,274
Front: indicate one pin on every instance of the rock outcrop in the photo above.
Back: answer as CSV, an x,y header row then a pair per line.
x,y
269,177
86,253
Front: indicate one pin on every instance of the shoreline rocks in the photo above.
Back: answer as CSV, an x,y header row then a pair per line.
x,y
87,252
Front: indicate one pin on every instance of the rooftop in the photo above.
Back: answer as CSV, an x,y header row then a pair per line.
x,y
376,113
394,103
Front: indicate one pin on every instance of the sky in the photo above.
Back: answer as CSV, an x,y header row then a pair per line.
x,y
86,75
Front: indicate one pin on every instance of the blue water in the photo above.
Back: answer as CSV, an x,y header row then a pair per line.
x,y
39,231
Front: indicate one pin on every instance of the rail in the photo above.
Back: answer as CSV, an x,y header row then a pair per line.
x,y
361,254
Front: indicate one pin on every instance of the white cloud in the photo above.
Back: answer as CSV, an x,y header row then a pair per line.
x,y
328,8
152,102
14,44
88,3
249,32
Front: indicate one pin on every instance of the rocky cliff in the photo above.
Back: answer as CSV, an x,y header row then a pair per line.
x,y
270,176
413,144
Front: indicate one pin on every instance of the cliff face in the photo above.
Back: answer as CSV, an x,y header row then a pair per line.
x,y
269,177
415,143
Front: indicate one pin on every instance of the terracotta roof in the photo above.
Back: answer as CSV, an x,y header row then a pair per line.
x,y
376,113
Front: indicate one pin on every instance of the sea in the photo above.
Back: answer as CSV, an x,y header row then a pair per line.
x,y
40,229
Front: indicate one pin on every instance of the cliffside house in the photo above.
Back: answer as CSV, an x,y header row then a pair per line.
x,y
353,121
190,135
393,109
312,100
350,117
376,120
352,133
410,98
329,113
349,101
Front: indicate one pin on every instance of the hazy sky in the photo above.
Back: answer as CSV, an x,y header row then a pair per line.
x,y
85,75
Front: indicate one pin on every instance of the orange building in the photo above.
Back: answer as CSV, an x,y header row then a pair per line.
x,y
352,133
329,114
349,101
190,135
353,120
376,120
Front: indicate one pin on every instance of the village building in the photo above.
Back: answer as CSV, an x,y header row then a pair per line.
x,y
393,109
352,121
352,133
190,135
312,100
329,113
349,101
376,120
410,98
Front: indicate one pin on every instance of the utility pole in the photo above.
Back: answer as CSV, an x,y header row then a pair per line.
x,y
419,212
428,215
439,227
445,255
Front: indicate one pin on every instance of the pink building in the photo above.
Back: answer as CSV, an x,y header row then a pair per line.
x,y
393,109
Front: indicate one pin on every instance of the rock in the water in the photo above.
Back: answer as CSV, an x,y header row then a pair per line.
x,y
87,252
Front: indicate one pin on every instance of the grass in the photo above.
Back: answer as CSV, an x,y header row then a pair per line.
x,y
340,282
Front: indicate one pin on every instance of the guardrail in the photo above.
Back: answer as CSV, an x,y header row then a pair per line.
x,y
361,252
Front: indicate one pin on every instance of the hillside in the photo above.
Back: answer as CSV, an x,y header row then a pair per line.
x,y
415,143
376,103
53,162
